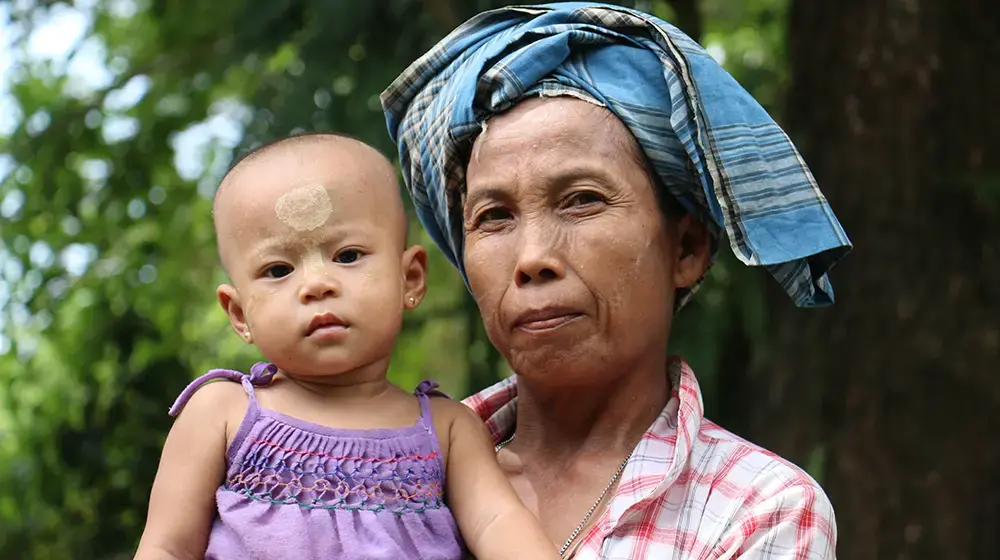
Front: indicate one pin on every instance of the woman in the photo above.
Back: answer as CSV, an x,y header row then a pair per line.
x,y
579,163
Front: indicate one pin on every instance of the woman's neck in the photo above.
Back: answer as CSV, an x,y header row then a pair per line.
x,y
560,424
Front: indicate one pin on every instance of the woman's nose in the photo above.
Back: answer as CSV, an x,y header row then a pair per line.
x,y
539,259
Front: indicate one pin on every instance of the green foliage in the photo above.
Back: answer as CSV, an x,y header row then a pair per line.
x,y
107,256
752,37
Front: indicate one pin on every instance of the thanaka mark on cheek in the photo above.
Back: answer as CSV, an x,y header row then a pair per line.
x,y
304,208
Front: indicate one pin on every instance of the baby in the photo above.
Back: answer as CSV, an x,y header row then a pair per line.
x,y
315,454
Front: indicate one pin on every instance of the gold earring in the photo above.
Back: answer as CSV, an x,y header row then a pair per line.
x,y
413,300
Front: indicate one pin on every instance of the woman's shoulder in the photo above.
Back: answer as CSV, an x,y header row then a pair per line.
x,y
762,473
747,483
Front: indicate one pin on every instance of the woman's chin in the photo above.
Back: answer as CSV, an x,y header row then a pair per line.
x,y
577,363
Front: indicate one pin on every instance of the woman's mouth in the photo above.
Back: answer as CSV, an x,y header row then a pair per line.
x,y
542,320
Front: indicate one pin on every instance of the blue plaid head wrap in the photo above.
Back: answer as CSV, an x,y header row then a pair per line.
x,y
712,146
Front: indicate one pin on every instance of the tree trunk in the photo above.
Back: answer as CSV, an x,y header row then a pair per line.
x,y
894,105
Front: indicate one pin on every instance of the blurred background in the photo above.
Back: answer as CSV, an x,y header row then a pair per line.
x,y
118,117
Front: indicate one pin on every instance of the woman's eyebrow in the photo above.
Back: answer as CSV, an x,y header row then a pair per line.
x,y
559,177
583,170
485,193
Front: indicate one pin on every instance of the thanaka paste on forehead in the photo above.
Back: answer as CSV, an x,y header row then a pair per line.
x,y
304,208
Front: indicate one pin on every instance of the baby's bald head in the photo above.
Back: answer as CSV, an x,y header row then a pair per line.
x,y
303,182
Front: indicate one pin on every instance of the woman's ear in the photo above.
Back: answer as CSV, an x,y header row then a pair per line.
x,y
414,266
229,298
693,251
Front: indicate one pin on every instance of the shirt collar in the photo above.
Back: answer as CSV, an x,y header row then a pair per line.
x,y
660,456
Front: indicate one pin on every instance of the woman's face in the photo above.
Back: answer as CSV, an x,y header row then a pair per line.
x,y
571,261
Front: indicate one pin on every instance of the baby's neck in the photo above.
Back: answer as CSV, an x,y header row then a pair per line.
x,y
340,391
350,400
362,383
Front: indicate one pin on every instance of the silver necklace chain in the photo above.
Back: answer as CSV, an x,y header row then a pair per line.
x,y
593,508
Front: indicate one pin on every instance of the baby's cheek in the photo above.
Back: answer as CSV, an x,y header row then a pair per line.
x,y
276,319
255,307
386,308
250,308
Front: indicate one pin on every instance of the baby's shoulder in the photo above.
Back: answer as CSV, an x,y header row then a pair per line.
x,y
218,398
219,391
448,410
457,423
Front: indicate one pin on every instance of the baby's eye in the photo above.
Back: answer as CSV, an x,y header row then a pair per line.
x,y
278,271
348,256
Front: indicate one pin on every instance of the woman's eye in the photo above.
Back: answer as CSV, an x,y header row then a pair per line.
x,y
348,256
492,215
584,198
278,271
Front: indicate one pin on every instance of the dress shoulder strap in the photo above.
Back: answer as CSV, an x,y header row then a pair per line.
x,y
429,387
260,375
424,391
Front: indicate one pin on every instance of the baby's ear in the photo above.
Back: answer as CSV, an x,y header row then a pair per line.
x,y
414,266
230,301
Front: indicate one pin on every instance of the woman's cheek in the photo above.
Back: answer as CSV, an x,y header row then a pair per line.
x,y
478,270
624,264
488,278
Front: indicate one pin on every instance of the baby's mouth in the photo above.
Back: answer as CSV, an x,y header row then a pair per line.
x,y
326,322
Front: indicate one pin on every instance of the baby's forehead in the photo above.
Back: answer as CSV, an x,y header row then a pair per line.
x,y
300,188
342,169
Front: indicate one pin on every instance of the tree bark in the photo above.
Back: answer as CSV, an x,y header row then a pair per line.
x,y
688,17
893,104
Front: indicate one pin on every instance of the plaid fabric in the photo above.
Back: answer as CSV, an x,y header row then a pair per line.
x,y
711,144
694,491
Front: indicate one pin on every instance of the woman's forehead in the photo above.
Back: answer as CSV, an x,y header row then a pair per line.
x,y
542,135
553,117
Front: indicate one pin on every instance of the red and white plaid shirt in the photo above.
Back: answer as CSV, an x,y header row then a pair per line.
x,y
692,490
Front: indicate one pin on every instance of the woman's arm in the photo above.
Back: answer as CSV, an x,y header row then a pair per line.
x,y
193,463
494,523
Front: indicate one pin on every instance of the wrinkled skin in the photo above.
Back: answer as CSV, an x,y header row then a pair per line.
x,y
574,268
562,223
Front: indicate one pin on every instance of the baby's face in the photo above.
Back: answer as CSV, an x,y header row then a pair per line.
x,y
313,238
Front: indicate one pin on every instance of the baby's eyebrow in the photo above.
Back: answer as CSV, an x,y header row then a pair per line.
x,y
276,245
293,243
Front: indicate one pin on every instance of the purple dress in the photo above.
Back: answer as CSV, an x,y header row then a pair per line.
x,y
299,490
